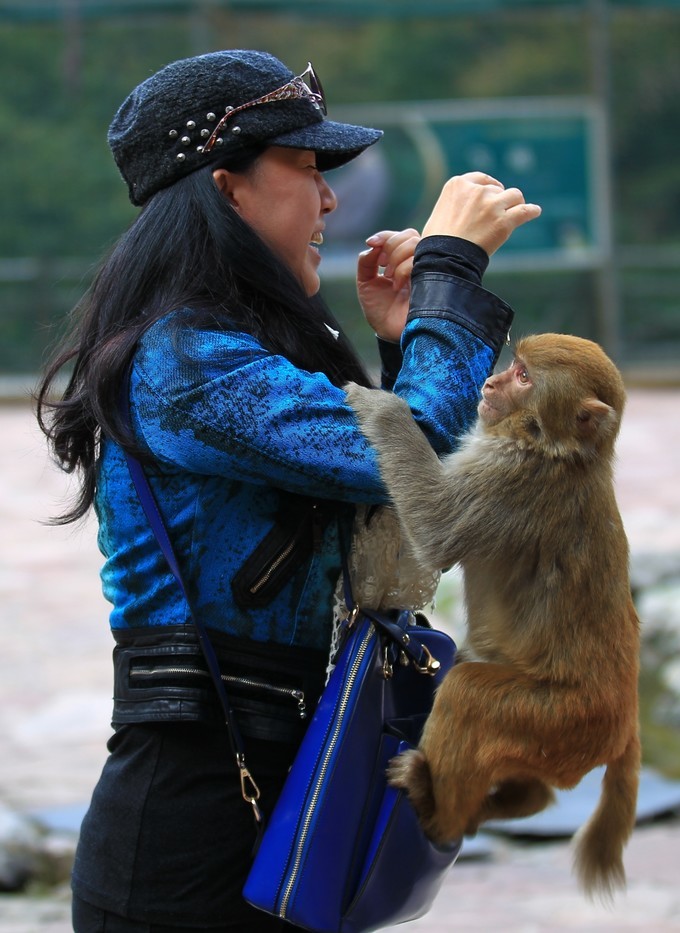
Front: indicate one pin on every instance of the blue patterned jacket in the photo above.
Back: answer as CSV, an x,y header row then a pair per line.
x,y
230,425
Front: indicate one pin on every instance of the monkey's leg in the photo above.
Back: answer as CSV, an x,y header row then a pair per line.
x,y
515,798
481,734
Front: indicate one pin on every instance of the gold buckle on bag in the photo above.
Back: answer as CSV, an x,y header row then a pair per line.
x,y
431,666
249,789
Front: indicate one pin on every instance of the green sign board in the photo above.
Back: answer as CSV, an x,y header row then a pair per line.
x,y
546,147
546,157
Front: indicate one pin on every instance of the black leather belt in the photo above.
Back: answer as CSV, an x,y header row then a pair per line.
x,y
161,675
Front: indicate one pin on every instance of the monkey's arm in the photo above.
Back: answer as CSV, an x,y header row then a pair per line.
x,y
428,503
387,422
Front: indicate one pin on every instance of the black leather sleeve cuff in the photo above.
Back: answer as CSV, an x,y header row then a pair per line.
x,y
452,255
473,307
437,291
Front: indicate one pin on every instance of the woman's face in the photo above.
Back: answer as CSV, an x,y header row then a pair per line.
x,y
284,199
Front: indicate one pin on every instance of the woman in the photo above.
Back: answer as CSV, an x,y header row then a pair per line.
x,y
205,321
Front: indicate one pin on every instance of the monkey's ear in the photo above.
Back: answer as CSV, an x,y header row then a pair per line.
x,y
592,416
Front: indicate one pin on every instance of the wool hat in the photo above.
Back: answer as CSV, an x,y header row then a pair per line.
x,y
174,122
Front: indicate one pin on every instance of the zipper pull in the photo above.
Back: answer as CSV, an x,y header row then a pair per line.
x,y
302,706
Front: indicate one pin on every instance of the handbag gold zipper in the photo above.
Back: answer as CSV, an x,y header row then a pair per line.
x,y
344,699
169,670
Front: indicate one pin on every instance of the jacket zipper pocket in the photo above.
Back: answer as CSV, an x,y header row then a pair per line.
x,y
269,572
295,536
165,670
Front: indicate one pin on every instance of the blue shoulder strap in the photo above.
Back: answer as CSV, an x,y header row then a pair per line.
x,y
249,788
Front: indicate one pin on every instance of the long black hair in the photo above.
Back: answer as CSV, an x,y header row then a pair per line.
x,y
188,247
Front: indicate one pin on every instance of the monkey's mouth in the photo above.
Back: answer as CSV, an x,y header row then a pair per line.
x,y
487,411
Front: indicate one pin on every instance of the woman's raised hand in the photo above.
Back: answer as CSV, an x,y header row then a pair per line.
x,y
478,208
474,206
384,280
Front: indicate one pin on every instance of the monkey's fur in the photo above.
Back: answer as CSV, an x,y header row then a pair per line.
x,y
546,687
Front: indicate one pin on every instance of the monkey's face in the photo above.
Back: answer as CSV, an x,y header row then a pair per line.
x,y
560,392
505,392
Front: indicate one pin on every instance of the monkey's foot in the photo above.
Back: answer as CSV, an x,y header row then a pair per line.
x,y
411,772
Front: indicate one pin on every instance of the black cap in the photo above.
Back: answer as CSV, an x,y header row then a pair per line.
x,y
159,133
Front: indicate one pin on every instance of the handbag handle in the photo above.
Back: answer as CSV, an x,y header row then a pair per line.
x,y
249,789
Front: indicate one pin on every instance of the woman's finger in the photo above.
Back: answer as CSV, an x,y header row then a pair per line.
x,y
481,178
399,249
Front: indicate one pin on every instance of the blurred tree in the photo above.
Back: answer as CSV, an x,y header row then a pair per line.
x,y
61,195
647,128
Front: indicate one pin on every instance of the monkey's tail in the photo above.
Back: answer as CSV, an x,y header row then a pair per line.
x,y
598,855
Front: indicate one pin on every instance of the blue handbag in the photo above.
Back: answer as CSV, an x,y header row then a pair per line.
x,y
343,852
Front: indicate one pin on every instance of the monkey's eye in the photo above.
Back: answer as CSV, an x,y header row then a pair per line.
x,y
523,375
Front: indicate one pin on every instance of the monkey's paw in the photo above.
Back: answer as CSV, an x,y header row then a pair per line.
x,y
380,413
367,403
360,398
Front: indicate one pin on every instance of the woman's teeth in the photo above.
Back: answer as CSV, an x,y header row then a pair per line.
x,y
317,239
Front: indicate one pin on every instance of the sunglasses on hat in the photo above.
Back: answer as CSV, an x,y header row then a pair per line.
x,y
305,86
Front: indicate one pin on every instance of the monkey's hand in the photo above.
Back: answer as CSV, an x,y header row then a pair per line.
x,y
387,422
376,410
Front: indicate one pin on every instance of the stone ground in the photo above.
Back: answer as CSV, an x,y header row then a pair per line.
x,y
55,693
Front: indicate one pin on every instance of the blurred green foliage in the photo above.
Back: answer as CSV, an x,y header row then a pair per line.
x,y
62,198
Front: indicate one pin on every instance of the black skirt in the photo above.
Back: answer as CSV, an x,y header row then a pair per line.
x,y
168,838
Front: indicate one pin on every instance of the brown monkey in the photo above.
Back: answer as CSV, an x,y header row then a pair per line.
x,y
526,506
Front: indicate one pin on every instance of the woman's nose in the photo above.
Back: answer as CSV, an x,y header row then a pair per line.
x,y
328,199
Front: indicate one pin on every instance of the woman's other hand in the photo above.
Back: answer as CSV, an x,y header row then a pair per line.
x,y
478,208
384,280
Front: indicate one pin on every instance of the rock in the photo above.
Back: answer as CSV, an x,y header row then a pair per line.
x,y
649,568
32,851
659,610
20,847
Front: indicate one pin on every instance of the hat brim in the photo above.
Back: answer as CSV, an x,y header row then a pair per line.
x,y
334,143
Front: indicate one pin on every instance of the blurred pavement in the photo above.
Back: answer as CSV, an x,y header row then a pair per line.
x,y
55,687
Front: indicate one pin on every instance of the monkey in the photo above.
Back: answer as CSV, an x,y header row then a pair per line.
x,y
546,685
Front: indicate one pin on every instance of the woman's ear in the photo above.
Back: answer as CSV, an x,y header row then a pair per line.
x,y
225,182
